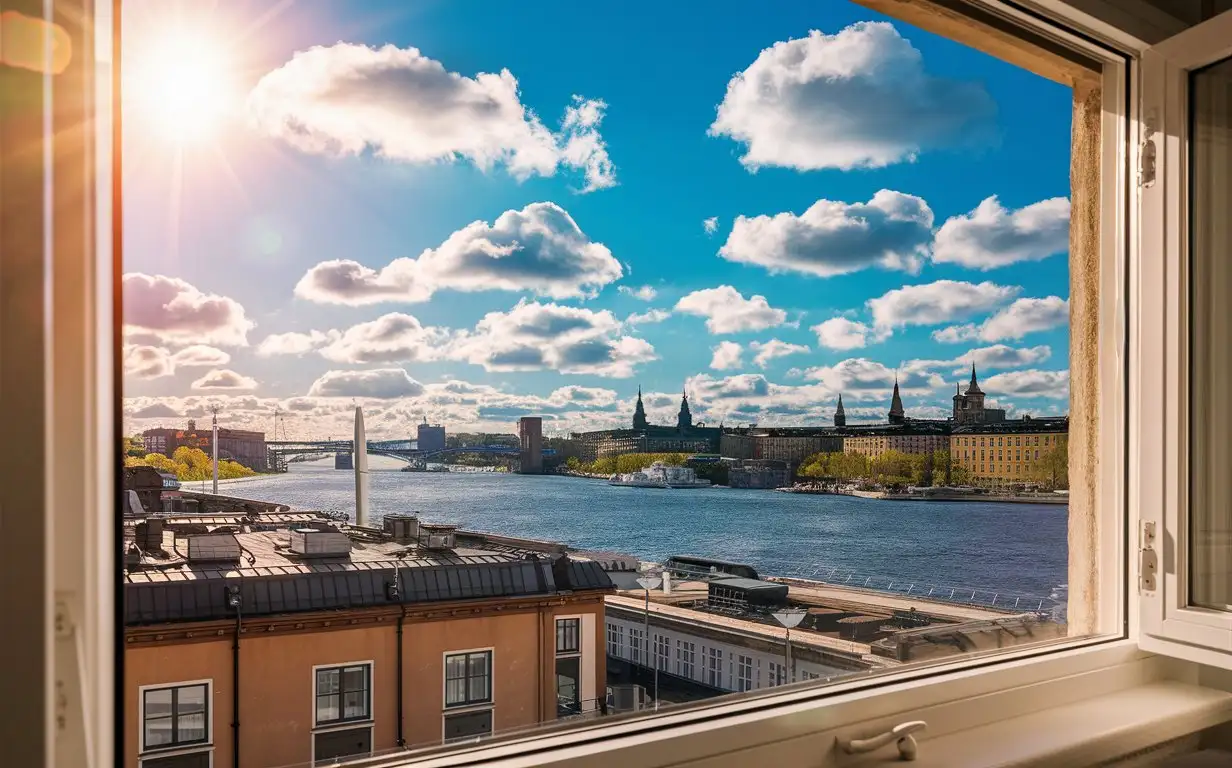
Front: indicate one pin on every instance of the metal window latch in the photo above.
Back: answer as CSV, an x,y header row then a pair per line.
x,y
1147,152
907,747
1148,558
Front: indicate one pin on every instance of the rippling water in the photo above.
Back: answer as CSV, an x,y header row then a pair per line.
x,y
1011,549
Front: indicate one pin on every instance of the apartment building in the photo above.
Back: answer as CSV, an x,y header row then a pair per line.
x,y
1010,451
254,641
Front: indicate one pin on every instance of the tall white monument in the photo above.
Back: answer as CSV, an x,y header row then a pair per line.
x,y
360,452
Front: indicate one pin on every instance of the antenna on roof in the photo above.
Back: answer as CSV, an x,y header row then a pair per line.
x,y
214,409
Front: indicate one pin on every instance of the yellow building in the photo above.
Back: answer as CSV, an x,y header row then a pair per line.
x,y
1011,451
879,441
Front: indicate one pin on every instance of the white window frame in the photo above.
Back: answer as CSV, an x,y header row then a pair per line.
x,y
956,696
491,702
344,725
145,754
1170,624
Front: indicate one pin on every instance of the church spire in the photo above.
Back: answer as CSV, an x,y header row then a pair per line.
x,y
639,412
684,420
840,416
897,415
973,388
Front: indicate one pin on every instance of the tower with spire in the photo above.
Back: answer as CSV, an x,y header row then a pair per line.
x,y
684,420
969,406
897,414
639,413
840,417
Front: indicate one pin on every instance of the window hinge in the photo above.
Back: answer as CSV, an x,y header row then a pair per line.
x,y
1148,558
1147,152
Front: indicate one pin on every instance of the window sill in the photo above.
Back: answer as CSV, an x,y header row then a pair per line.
x,y
1085,732
343,725
1093,704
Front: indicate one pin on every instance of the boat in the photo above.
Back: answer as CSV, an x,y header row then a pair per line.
x,y
659,475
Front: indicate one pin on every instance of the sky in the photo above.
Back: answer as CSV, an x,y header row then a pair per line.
x,y
469,212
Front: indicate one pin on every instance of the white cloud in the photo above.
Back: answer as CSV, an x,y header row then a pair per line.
x,y
147,362
391,338
534,336
175,312
997,356
1022,317
990,236
711,225
890,231
539,249
1053,384
292,343
200,355
346,98
143,361
726,356
859,378
767,351
727,311
856,99
644,293
938,302
843,334
649,317
380,383
223,378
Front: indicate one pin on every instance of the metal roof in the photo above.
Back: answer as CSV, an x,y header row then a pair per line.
x,y
153,597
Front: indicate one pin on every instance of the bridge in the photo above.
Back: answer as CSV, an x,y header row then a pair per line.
x,y
405,450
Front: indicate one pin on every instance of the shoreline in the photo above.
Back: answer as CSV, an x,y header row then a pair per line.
x,y
964,497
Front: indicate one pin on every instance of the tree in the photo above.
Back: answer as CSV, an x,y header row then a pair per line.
x,y
1052,467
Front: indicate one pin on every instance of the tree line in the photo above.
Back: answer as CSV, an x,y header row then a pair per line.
x,y
185,463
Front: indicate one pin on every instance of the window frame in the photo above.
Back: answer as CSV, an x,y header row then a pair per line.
x,y
577,635
490,651
1169,623
319,725
183,748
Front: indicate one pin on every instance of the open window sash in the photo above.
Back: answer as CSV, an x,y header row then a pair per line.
x,y
1183,567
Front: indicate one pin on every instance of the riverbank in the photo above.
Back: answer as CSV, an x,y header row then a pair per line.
x,y
931,495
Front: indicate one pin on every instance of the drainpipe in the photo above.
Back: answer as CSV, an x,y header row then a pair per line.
x,y
397,594
234,600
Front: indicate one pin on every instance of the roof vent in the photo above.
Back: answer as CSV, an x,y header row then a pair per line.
x,y
438,536
149,534
213,548
402,528
309,542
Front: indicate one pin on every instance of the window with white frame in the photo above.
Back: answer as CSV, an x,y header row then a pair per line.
x,y
637,644
343,694
663,652
776,674
686,656
175,716
714,667
615,639
744,673
569,667
468,678
1205,530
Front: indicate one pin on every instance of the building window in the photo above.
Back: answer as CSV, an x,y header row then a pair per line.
x,y
714,668
662,652
175,716
568,632
686,655
744,673
776,674
468,678
468,725
637,644
343,694
615,640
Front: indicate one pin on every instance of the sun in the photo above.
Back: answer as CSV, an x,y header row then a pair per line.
x,y
181,86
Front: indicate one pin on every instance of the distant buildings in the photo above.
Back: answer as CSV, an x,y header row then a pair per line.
x,y
430,437
645,437
530,441
239,445
971,426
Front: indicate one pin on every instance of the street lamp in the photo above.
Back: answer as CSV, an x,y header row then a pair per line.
x,y
648,583
789,617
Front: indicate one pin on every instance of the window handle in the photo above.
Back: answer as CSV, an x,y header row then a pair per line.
x,y
907,747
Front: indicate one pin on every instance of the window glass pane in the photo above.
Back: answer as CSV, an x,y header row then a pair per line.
x,y
327,708
327,681
158,703
159,731
354,704
1211,345
355,678
190,727
190,699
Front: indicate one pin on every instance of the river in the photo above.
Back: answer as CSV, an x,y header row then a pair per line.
x,y
999,550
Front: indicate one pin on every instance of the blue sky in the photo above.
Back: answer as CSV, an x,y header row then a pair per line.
x,y
338,206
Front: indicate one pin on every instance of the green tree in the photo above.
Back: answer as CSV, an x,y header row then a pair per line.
x,y
1052,467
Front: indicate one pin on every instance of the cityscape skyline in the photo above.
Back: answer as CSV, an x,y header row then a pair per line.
x,y
596,233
